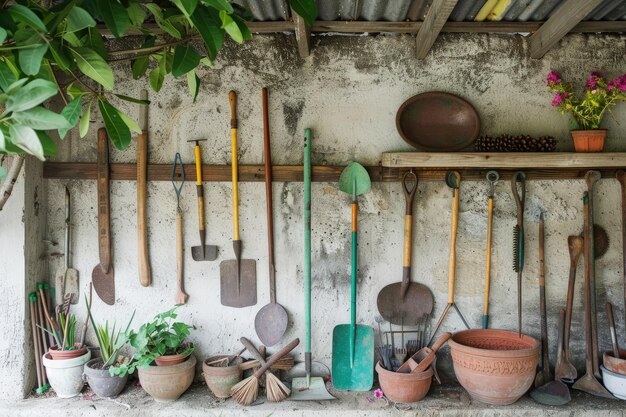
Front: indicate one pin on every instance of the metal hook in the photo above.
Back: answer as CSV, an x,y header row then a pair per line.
x,y
178,161
492,177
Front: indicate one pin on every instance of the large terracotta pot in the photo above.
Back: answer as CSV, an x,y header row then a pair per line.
x,y
589,140
494,366
404,388
167,383
220,379
101,381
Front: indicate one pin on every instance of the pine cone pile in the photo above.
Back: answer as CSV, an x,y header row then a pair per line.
x,y
515,143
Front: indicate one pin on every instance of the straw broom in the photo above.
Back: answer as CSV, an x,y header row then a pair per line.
x,y
246,391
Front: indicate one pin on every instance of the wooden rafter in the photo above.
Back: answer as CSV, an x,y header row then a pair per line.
x,y
303,35
433,23
568,15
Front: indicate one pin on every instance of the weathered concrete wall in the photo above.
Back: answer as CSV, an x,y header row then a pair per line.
x,y
348,93
22,227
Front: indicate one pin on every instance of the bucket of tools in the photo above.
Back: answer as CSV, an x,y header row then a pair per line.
x,y
494,366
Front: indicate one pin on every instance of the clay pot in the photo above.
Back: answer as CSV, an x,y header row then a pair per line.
x,y
56,354
494,366
101,381
613,364
66,375
589,140
167,383
615,383
167,360
220,379
404,388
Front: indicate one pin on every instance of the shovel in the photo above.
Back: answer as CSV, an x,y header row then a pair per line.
x,y
70,278
202,252
102,276
554,392
353,345
271,321
237,276
409,301
588,382
308,388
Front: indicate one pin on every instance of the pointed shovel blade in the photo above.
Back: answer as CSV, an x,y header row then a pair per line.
x,y
355,173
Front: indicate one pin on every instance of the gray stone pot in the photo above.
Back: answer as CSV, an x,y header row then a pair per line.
x,y
101,382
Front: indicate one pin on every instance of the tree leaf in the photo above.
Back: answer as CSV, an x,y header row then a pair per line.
x,y
3,173
229,25
139,66
136,14
26,138
25,15
93,40
130,123
132,99
59,56
157,75
72,39
31,55
306,9
49,146
186,6
83,126
78,19
40,118
116,128
207,22
76,90
245,32
71,112
3,35
115,16
164,24
30,95
193,82
7,77
2,148
185,59
220,5
93,66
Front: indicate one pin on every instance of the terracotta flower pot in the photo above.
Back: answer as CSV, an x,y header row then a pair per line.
x,y
220,379
613,364
404,388
56,354
167,360
167,383
494,366
101,381
589,140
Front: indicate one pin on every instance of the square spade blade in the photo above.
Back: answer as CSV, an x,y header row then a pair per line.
x,y
232,294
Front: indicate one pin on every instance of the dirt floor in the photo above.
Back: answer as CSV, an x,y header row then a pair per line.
x,y
448,400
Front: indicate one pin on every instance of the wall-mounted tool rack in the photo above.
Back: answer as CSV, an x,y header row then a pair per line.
x,y
429,166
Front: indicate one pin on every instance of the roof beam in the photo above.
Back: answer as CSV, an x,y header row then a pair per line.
x,y
433,23
303,35
568,15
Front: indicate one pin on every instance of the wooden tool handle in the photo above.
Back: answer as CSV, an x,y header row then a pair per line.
x,y
199,189
488,263
104,226
587,285
253,350
611,320
542,301
441,341
276,356
453,230
181,296
232,98
406,255
267,151
621,177
145,272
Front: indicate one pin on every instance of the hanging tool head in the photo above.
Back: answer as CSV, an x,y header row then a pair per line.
x,y
453,179
355,180
197,141
178,180
518,229
492,177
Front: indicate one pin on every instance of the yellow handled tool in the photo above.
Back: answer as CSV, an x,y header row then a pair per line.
x,y
492,177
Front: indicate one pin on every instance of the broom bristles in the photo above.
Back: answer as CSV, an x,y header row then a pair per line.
x,y
246,391
276,390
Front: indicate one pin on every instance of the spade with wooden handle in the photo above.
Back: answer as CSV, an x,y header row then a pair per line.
x,y
143,259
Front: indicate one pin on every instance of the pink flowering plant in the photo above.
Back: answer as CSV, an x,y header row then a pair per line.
x,y
588,108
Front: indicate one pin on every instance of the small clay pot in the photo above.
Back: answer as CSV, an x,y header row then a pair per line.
x,y
66,375
167,383
101,381
404,387
589,140
220,379
613,364
57,354
167,360
494,366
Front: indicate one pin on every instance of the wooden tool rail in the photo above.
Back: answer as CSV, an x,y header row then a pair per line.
x,y
293,173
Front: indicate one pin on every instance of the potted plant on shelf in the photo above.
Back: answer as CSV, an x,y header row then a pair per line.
x,y
99,371
589,108
164,359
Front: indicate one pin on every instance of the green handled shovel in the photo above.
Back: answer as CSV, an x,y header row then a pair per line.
x,y
353,344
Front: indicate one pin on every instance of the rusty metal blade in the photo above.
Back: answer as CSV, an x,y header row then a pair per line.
x,y
104,284
270,323
210,253
417,303
242,293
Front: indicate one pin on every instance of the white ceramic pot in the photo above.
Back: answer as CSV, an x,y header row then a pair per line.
x,y
615,383
66,375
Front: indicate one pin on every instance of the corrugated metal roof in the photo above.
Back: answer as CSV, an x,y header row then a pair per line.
x,y
402,10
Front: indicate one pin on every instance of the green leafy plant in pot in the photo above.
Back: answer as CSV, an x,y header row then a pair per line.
x,y
63,329
99,371
589,108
